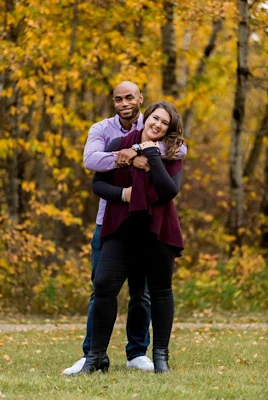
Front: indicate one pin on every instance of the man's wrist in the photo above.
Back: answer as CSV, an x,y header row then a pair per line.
x,y
137,148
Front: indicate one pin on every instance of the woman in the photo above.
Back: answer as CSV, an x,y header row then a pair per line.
x,y
140,232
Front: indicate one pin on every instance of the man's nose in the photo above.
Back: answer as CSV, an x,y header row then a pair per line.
x,y
124,102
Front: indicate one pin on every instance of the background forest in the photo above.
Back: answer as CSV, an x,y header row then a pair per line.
x,y
59,62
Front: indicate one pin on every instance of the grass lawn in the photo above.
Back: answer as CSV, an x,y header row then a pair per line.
x,y
205,364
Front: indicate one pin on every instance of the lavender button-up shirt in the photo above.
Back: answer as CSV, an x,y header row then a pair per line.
x,y
99,136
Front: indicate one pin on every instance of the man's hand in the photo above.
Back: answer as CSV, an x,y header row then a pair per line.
x,y
124,157
141,162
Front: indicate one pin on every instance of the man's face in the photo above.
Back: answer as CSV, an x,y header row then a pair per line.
x,y
127,101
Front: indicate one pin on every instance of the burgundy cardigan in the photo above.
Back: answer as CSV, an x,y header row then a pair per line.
x,y
164,218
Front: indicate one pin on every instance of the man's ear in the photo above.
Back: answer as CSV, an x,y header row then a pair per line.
x,y
141,98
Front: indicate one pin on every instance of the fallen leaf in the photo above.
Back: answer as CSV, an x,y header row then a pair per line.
x,y
241,361
8,359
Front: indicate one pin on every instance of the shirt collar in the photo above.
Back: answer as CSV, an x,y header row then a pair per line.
x,y
133,127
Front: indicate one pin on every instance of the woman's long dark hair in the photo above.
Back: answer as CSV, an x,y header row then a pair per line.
x,y
173,139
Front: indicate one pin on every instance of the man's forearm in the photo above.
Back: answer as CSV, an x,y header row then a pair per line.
x,y
98,156
99,161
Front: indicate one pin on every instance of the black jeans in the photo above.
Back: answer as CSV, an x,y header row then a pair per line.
x,y
139,309
122,257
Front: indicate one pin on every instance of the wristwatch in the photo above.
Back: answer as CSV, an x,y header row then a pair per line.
x,y
137,148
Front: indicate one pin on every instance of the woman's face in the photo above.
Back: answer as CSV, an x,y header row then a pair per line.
x,y
156,125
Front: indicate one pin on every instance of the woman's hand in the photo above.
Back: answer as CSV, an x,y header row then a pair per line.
x,y
149,143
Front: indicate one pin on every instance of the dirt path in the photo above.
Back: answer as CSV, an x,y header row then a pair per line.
x,y
182,325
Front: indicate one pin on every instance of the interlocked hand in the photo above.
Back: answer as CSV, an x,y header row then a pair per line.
x,y
124,157
141,162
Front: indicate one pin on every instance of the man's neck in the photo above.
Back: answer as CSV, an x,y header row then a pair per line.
x,y
127,124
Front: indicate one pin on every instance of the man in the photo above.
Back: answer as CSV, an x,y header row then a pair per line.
x,y
127,101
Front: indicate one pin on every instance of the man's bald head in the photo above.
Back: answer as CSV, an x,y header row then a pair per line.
x,y
127,85
127,100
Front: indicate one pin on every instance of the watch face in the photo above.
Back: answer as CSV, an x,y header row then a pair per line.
x,y
136,147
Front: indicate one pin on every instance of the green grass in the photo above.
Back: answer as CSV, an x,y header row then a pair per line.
x,y
205,364
204,316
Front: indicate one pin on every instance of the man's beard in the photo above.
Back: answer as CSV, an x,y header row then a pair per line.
x,y
133,114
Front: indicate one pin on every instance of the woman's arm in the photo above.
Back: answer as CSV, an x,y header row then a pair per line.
x,y
166,186
101,185
102,188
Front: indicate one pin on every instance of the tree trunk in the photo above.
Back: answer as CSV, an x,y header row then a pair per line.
x,y
61,201
169,82
264,206
187,115
236,169
9,122
257,146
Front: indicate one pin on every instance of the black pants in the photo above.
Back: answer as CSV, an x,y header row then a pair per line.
x,y
120,258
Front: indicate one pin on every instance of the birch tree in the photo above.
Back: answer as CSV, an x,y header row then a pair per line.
x,y
236,152
169,80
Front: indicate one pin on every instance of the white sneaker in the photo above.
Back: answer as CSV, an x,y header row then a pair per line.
x,y
74,369
142,362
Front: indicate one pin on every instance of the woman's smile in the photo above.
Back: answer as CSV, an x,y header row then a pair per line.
x,y
156,125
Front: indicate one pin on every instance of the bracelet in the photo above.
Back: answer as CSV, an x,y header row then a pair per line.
x,y
123,196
